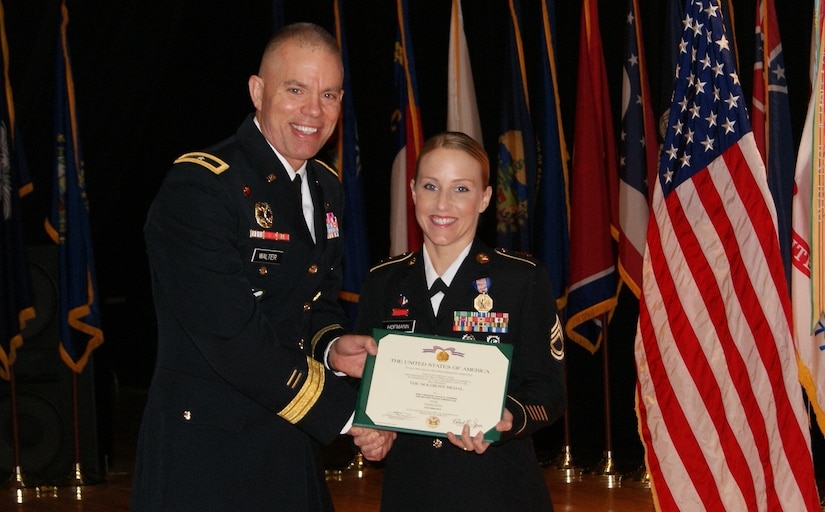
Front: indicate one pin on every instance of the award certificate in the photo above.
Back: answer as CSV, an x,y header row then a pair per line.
x,y
432,385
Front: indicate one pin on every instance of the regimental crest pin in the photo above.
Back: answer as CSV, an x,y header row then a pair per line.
x,y
263,214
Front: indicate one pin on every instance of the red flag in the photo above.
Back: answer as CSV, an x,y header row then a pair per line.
x,y
593,193
719,403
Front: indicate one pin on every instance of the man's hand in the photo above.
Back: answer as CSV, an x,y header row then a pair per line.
x,y
349,352
374,444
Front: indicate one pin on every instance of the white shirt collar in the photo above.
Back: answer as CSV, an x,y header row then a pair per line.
x,y
289,170
449,273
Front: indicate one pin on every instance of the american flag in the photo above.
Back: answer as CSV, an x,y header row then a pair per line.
x,y
720,407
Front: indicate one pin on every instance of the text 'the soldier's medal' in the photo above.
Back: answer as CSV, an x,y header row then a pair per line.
x,y
263,214
483,302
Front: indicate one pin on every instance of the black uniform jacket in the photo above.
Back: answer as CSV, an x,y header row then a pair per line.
x,y
425,473
246,303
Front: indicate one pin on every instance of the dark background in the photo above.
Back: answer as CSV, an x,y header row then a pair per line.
x,y
158,78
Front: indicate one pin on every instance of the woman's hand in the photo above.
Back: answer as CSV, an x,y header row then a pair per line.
x,y
477,444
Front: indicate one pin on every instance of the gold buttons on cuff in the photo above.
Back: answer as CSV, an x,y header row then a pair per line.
x,y
187,415
313,269
262,271
307,306
437,443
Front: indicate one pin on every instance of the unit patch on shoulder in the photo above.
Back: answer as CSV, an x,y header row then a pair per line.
x,y
327,167
211,162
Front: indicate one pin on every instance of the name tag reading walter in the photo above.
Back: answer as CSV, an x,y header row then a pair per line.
x,y
432,385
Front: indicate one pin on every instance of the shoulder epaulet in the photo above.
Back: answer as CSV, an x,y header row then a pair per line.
x,y
211,162
326,166
519,256
407,256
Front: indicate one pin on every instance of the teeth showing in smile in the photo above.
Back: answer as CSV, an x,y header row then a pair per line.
x,y
443,221
305,129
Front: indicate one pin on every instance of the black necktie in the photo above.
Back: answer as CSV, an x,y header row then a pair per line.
x,y
438,286
296,183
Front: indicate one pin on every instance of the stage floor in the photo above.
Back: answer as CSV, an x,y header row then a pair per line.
x,y
353,490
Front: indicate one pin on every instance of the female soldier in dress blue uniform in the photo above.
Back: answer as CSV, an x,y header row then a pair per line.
x,y
463,472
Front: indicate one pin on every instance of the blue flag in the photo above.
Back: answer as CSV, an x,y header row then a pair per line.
x,y
15,291
356,250
552,239
278,16
68,223
516,172
405,234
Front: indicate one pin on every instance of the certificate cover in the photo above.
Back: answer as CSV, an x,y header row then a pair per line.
x,y
431,385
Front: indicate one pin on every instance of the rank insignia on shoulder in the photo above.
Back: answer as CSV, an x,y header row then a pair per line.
x,y
211,162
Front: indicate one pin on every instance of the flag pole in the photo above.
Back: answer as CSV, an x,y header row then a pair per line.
x,y
17,480
77,479
606,467
564,461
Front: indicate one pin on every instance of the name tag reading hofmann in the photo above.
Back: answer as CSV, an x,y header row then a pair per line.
x,y
432,385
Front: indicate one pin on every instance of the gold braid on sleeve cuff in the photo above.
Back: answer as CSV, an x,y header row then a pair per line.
x,y
307,395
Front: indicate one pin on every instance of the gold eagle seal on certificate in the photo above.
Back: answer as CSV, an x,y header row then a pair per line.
x,y
433,421
442,356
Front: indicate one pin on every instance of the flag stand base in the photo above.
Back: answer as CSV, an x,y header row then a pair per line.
x,y
639,479
607,469
564,464
77,482
356,469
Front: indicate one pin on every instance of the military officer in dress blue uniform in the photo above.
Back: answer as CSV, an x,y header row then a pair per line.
x,y
458,287
246,269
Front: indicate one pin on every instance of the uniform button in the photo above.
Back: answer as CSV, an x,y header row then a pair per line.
x,y
437,443
187,415
262,271
307,306
313,269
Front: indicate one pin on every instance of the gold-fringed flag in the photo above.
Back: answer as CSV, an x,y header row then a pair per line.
x,y
552,239
721,412
807,276
462,109
356,260
516,169
593,194
68,224
15,281
405,234
639,149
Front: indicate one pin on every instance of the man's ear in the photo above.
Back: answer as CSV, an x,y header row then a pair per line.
x,y
256,90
